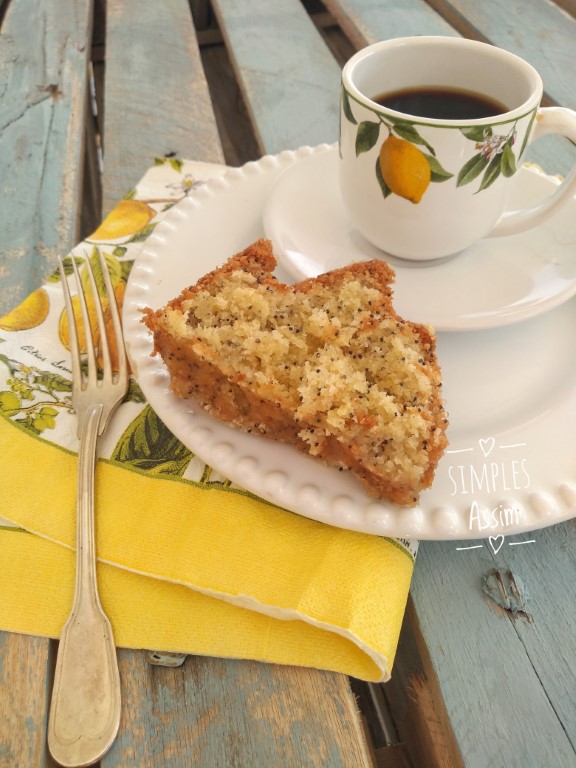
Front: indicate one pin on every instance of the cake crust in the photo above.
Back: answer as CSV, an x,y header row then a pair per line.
x,y
325,365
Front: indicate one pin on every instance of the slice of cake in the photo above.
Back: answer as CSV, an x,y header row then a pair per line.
x,y
325,365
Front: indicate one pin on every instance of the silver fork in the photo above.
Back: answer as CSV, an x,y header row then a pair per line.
x,y
85,709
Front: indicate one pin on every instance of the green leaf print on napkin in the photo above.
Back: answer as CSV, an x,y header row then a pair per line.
x,y
148,445
33,398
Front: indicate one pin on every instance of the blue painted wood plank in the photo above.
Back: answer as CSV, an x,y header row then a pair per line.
x,y
369,21
537,30
214,712
554,154
43,105
548,572
507,681
156,96
24,677
288,76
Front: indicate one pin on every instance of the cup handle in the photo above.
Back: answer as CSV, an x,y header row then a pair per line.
x,y
548,120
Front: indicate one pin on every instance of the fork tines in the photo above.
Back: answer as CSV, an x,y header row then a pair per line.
x,y
102,343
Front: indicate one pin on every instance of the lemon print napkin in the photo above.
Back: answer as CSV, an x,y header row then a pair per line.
x,y
188,562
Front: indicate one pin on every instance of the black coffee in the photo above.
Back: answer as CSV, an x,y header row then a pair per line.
x,y
441,103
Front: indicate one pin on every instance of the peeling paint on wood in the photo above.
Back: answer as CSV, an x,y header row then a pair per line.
x,y
217,713
499,674
24,676
41,138
506,590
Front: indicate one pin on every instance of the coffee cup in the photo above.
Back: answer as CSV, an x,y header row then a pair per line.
x,y
432,133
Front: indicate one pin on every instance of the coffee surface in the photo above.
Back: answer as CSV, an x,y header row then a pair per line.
x,y
441,103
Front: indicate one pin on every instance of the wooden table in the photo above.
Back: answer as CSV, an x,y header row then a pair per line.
x,y
81,80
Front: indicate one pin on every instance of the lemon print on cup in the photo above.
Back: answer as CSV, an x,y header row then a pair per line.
x,y
404,168
406,163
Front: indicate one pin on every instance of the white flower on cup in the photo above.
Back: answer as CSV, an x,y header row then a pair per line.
x,y
494,156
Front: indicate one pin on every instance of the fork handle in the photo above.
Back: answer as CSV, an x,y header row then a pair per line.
x,y
85,709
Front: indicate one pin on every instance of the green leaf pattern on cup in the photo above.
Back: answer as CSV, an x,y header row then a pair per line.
x,y
346,107
366,136
386,191
408,132
494,155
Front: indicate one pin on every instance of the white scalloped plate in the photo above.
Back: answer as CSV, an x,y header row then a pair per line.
x,y
510,393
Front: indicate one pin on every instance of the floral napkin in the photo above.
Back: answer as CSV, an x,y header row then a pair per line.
x,y
188,562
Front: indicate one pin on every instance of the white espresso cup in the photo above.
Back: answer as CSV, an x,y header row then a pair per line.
x,y
425,187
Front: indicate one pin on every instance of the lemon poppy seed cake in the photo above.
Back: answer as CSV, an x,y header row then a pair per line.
x,y
325,365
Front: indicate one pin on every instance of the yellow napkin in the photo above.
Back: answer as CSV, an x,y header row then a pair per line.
x,y
187,561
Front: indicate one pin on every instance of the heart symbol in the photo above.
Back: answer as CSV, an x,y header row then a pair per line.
x,y
487,445
496,543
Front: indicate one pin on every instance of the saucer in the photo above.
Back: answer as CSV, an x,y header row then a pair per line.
x,y
496,282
